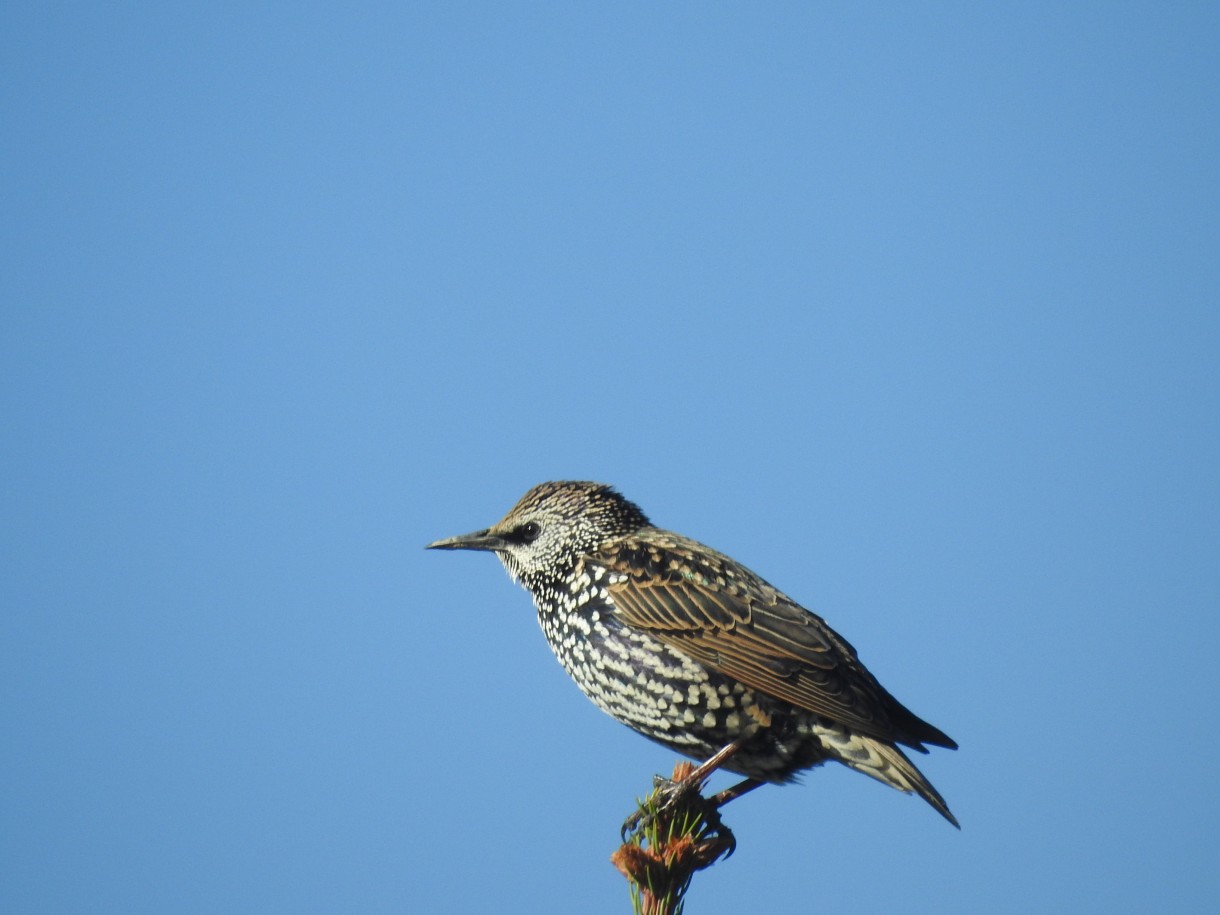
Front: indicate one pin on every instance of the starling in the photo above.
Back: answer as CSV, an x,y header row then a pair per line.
x,y
695,651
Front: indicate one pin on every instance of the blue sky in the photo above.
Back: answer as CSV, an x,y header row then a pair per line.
x,y
915,310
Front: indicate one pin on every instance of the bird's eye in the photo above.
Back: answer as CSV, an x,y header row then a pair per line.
x,y
529,531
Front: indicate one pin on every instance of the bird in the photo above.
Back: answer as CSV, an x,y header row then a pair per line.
x,y
693,650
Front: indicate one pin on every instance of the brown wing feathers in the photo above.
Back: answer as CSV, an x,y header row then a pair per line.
x,y
749,631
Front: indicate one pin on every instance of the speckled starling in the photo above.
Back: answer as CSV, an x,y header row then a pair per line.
x,y
695,651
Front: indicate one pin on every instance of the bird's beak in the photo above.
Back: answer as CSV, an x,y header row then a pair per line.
x,y
477,540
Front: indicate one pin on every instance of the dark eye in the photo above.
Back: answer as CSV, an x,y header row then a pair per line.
x,y
529,532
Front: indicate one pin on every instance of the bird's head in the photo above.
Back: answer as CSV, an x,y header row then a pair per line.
x,y
554,524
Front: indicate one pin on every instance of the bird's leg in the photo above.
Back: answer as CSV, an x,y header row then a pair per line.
x,y
693,782
711,764
736,791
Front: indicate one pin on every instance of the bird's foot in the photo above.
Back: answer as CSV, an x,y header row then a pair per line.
x,y
676,809
667,794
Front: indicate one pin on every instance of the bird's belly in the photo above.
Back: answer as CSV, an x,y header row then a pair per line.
x,y
649,686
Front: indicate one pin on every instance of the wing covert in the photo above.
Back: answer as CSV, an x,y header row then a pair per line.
x,y
732,621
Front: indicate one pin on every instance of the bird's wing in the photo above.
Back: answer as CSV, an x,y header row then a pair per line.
x,y
729,619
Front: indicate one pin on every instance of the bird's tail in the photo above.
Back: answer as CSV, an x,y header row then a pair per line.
x,y
886,763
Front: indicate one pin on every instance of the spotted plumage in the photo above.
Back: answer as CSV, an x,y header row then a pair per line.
x,y
695,651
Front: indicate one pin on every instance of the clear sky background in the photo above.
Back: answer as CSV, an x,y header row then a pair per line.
x,y
915,310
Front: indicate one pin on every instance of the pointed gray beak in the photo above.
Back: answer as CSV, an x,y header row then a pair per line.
x,y
476,540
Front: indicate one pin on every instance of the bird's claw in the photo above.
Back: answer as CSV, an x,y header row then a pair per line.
x,y
666,795
715,839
